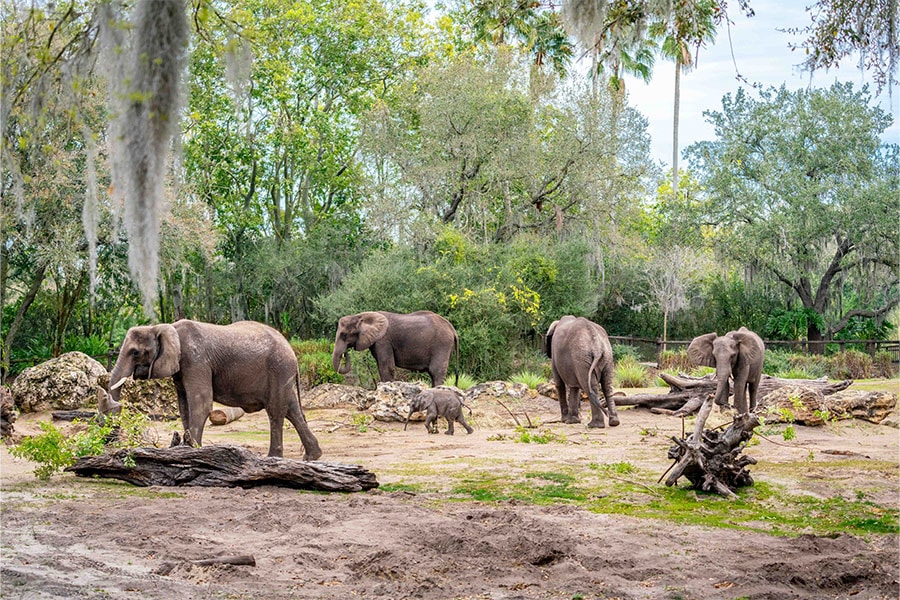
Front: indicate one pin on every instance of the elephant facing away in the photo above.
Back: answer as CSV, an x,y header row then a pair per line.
x,y
245,364
737,354
440,402
421,341
581,359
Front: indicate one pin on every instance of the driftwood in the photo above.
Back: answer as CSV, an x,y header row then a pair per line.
x,y
687,394
221,466
225,415
71,415
715,464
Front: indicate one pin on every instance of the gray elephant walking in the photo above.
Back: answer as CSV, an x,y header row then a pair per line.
x,y
737,354
440,402
580,359
245,364
421,341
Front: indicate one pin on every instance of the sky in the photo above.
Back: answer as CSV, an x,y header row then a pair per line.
x,y
761,55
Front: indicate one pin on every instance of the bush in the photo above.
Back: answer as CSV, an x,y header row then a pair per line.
x,y
623,351
884,365
314,362
630,373
53,451
851,364
795,373
814,365
776,361
675,360
529,378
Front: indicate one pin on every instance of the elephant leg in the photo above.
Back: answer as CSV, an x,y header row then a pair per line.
x,y
563,405
740,394
462,421
606,384
430,418
598,420
310,443
276,434
183,408
752,387
573,398
199,399
449,425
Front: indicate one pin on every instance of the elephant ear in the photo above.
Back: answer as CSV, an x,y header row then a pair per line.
x,y
700,352
548,339
372,327
167,361
751,346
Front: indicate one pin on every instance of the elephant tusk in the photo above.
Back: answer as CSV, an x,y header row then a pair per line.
x,y
118,384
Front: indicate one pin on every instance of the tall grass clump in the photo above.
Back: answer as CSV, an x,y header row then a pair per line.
x,y
851,364
675,360
884,365
629,373
314,362
529,378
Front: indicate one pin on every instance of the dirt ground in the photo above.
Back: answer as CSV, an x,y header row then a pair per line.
x,y
80,538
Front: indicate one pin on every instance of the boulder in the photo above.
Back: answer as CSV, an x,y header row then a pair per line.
x,y
67,382
860,404
333,395
504,390
391,400
794,404
153,397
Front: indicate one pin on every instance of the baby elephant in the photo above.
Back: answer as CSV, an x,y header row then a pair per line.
x,y
436,403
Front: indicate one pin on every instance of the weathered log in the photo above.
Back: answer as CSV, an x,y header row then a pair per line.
x,y
71,415
225,415
221,466
714,464
686,394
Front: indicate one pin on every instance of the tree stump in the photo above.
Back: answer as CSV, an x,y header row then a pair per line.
x,y
715,464
221,466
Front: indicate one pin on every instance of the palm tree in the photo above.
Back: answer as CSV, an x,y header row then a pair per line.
x,y
689,26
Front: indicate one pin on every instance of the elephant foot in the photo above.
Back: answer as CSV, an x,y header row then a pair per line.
x,y
598,424
571,420
315,455
448,432
614,421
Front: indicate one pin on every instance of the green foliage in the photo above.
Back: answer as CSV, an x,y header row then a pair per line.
x,y
794,373
883,365
622,351
532,380
464,382
629,373
540,436
361,421
53,451
314,362
675,360
851,364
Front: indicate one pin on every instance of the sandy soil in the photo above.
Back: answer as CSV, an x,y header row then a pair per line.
x,y
81,538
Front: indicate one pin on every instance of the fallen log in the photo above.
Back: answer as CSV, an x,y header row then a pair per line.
x,y
687,394
714,463
221,466
225,415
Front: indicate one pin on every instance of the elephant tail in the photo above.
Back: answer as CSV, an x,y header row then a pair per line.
x,y
594,364
456,351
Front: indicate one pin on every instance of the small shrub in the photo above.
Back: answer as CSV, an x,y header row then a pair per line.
x,y
814,365
776,361
93,346
794,374
53,451
540,436
630,373
465,381
532,380
623,351
314,361
675,360
851,364
883,365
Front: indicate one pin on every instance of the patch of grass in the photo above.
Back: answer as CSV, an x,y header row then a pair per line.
x,y
538,436
532,380
465,381
629,373
412,488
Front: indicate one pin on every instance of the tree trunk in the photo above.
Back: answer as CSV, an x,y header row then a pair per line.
x,y
675,111
686,394
221,466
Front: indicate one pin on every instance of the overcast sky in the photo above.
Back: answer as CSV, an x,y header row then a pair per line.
x,y
761,54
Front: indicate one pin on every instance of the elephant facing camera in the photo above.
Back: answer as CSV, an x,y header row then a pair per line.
x,y
436,403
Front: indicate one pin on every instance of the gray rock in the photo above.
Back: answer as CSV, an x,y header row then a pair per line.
x,y
333,395
67,382
392,400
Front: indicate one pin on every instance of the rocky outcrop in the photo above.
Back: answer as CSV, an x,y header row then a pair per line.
x,y
333,395
392,400
153,397
794,404
67,382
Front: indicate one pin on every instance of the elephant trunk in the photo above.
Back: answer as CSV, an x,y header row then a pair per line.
x,y
722,389
340,362
118,376
405,423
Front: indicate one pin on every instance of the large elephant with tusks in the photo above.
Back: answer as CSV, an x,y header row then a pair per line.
x,y
421,341
245,364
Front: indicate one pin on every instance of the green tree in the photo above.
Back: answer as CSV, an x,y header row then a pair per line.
x,y
801,188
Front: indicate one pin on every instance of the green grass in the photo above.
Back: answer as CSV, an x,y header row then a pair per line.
x,y
532,380
623,489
